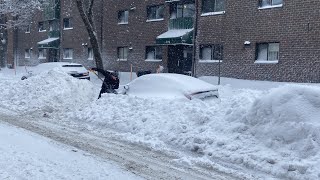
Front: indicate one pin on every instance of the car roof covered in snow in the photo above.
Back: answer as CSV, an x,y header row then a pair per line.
x,y
168,85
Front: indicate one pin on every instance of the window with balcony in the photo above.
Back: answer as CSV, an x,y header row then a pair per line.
x,y
123,53
123,17
155,12
67,53
270,3
211,7
211,53
42,53
41,27
153,53
181,10
267,53
53,26
67,23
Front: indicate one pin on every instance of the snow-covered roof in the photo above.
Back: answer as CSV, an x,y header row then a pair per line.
x,y
174,33
46,41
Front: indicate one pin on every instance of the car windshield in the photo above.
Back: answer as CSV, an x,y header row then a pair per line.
x,y
73,65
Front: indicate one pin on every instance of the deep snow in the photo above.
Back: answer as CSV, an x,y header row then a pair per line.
x,y
262,128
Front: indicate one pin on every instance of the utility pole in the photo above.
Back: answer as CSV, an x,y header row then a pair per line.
x,y
195,33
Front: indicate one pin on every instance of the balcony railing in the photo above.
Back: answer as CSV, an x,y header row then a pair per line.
x,y
181,23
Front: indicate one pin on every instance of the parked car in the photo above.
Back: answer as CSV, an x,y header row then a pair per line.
x,y
168,85
73,69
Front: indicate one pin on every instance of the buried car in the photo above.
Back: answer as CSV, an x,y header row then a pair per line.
x,y
73,69
168,85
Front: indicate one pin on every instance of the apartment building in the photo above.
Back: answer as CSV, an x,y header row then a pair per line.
x,y
274,40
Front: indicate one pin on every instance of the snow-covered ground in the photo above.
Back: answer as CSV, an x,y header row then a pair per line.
x,y
26,155
266,129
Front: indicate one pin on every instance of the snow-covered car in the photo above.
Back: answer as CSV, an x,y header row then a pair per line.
x,y
168,85
73,69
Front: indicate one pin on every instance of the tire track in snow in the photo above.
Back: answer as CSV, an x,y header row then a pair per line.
x,y
139,160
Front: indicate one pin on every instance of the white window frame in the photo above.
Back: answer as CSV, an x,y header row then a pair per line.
x,y
157,8
269,5
267,60
215,11
122,50
42,54
90,54
125,13
214,48
67,53
69,22
27,53
155,50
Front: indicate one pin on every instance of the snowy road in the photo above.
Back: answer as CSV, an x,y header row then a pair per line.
x,y
140,161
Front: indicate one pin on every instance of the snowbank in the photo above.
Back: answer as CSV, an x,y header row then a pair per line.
x,y
48,92
288,117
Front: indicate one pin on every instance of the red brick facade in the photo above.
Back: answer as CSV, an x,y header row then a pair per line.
x,y
295,26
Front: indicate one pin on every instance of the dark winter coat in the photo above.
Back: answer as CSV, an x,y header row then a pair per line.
x,y
109,83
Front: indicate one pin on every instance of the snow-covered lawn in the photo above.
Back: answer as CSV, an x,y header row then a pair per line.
x,y
266,129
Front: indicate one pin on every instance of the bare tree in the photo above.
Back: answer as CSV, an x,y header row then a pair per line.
x,y
19,12
85,8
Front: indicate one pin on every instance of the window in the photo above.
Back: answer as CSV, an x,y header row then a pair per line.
x,y
212,52
41,26
67,53
270,3
42,53
67,23
27,53
155,12
90,54
123,17
123,53
53,26
213,6
153,53
267,52
28,28
181,10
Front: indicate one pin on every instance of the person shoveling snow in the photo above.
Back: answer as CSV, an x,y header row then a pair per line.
x,y
110,82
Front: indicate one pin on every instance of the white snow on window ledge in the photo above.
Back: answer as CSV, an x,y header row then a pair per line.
x,y
42,58
67,28
153,60
272,6
265,62
122,59
90,59
213,13
209,61
42,31
154,20
123,23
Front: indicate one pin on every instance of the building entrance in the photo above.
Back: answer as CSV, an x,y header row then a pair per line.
x,y
180,59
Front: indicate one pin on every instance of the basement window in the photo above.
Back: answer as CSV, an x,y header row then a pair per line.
x,y
267,53
123,53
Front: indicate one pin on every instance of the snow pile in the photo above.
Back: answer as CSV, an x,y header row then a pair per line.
x,y
48,92
288,117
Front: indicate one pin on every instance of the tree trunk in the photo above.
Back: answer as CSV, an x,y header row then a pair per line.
x,y
91,32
